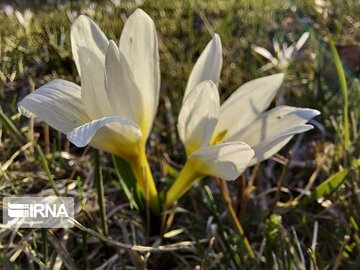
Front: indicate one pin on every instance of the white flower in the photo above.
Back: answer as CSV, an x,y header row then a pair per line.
x,y
241,117
224,140
114,108
9,10
196,124
284,55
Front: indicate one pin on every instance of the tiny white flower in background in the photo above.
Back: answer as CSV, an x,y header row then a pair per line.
x,y
9,10
24,18
114,108
284,54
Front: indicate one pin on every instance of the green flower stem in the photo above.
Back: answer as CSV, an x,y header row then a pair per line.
x,y
145,182
100,190
187,177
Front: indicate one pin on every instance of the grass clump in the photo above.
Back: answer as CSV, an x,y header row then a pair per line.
x,y
298,210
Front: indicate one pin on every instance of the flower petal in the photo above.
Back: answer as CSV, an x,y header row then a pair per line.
x,y
93,93
58,103
270,147
226,161
124,95
274,129
273,123
266,67
300,43
139,45
85,33
266,54
288,53
114,134
246,103
208,66
198,116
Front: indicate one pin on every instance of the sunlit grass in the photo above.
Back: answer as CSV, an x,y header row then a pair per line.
x,y
300,209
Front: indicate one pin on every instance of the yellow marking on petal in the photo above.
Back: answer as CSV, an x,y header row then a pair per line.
x,y
219,137
191,147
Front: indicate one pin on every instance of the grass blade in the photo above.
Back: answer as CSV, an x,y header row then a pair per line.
x,y
326,187
344,89
127,180
47,170
12,129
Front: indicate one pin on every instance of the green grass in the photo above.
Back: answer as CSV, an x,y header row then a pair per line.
x,y
299,210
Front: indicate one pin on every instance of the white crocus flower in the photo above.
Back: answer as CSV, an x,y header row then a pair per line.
x,y
283,56
239,125
114,108
197,120
241,117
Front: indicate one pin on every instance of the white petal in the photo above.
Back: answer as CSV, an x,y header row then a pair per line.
x,y
273,123
208,66
266,67
198,116
85,33
266,54
58,103
112,134
226,161
124,95
277,49
300,43
93,93
288,52
270,147
246,104
139,45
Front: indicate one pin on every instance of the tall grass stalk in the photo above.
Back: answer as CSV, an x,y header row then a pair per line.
x,y
344,89
47,170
